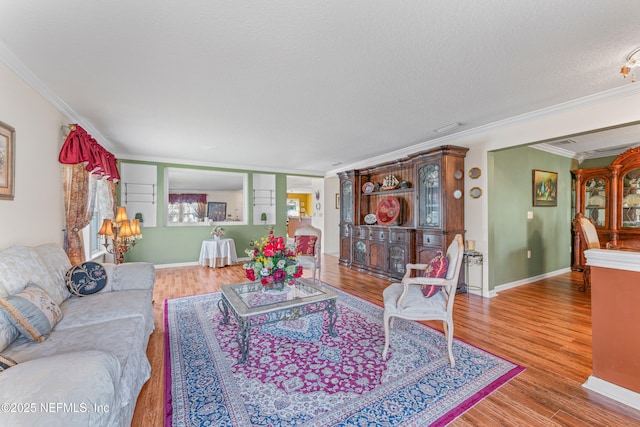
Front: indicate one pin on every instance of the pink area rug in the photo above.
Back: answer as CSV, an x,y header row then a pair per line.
x,y
298,375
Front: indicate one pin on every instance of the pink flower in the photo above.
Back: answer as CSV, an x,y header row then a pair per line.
x,y
279,276
298,273
251,275
269,250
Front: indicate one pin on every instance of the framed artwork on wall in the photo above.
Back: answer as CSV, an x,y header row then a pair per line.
x,y
217,211
7,161
545,188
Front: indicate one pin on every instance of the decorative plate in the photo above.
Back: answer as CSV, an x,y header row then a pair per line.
x,y
370,219
388,211
368,187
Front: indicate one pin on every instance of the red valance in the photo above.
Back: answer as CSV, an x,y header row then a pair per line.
x,y
80,147
187,198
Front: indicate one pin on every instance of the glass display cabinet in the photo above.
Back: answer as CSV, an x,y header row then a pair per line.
x,y
610,197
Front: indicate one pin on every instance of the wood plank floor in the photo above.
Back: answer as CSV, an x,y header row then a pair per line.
x,y
544,326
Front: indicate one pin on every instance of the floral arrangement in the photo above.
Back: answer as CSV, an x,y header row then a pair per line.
x,y
217,231
272,262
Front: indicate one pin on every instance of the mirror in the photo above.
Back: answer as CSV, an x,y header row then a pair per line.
x,y
475,192
205,197
474,173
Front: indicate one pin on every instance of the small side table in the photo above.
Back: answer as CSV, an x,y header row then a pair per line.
x,y
218,253
473,258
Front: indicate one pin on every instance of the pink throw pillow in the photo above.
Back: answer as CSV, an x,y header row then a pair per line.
x,y
437,269
306,245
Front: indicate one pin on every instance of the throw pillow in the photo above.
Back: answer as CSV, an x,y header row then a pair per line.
x,y
6,363
86,278
8,332
32,311
306,245
437,269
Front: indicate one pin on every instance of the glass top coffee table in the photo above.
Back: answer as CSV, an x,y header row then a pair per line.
x,y
252,306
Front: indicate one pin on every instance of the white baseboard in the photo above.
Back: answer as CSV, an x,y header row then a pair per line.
x,y
504,287
613,391
178,264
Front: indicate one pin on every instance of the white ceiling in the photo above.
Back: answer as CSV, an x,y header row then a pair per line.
x,y
308,86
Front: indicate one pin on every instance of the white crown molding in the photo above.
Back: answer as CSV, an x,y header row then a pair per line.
x,y
555,150
12,61
597,98
252,168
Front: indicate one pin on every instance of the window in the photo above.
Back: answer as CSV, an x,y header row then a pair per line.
x,y
185,212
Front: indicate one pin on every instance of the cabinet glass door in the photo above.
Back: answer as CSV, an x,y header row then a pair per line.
x,y
347,202
429,196
631,199
595,197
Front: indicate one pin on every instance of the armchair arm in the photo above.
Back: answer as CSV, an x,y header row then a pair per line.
x,y
408,281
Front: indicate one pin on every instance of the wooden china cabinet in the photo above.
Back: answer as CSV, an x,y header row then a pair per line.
x,y
610,196
428,190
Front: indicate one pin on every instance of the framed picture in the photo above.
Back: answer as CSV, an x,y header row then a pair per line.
x,y
217,211
545,188
7,161
337,200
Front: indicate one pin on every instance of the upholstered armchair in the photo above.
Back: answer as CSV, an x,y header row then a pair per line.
x,y
307,240
426,298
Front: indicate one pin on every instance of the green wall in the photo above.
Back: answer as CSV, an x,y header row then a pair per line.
x,y
511,234
171,245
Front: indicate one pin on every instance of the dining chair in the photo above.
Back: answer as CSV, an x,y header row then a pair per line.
x,y
307,241
589,240
409,300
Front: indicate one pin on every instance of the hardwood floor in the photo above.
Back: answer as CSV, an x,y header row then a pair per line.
x,y
544,326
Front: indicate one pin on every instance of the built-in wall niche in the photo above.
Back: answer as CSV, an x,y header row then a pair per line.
x,y
264,199
139,191
204,197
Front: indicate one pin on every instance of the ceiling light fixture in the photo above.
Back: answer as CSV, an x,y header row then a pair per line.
x,y
448,127
633,61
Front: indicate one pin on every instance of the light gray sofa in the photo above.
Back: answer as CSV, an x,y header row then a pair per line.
x,y
92,366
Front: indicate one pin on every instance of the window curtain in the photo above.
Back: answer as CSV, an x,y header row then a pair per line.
x,y
188,198
85,161
201,209
79,198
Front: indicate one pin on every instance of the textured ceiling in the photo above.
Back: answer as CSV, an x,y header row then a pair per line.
x,y
309,85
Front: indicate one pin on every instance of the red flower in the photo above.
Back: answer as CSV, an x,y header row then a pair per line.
x,y
264,280
298,273
251,275
269,250
279,244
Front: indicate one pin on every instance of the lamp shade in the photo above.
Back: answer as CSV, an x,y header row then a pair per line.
x,y
125,229
135,228
121,215
106,229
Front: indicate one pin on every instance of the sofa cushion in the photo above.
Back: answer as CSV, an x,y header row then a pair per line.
x,y
32,312
86,278
79,388
6,363
57,263
126,339
8,332
21,265
104,307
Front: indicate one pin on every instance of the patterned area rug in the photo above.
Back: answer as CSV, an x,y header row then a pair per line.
x,y
298,375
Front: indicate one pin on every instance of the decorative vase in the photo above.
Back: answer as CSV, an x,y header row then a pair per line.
x,y
216,237
274,287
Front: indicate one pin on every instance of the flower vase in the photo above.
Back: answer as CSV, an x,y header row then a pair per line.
x,y
215,237
274,288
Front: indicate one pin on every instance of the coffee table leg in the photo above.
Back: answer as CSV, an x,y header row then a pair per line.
x,y
333,316
224,308
243,339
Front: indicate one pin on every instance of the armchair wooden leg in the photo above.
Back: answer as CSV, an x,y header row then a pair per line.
x,y
448,331
387,327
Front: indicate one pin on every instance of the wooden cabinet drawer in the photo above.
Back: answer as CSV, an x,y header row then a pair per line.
x,y
429,239
399,236
378,234
360,233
